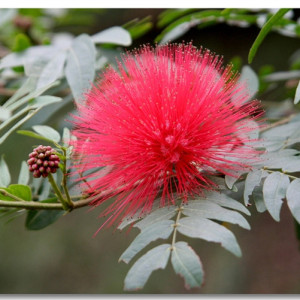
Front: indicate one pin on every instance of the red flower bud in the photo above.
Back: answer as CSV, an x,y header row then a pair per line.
x,y
42,161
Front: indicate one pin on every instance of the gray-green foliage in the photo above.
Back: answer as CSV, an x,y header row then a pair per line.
x,y
47,67
4,173
274,190
187,263
156,258
292,197
198,219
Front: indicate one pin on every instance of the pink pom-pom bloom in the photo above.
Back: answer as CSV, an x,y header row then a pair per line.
x,y
170,117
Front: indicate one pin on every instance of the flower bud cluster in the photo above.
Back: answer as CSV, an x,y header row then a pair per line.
x,y
42,161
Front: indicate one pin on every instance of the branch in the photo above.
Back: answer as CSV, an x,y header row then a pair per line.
x,y
58,193
41,205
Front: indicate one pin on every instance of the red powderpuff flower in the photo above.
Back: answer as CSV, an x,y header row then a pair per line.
x,y
168,118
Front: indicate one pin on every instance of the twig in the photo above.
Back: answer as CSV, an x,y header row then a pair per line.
x,y
280,122
58,193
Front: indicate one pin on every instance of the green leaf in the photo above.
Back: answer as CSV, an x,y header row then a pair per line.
x,y
179,31
4,173
52,70
250,77
156,258
187,264
297,94
80,67
33,135
264,31
160,214
21,42
209,210
37,220
114,35
4,197
293,198
226,201
204,15
236,63
21,191
170,15
159,230
252,180
226,11
47,132
140,28
24,174
274,190
197,227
